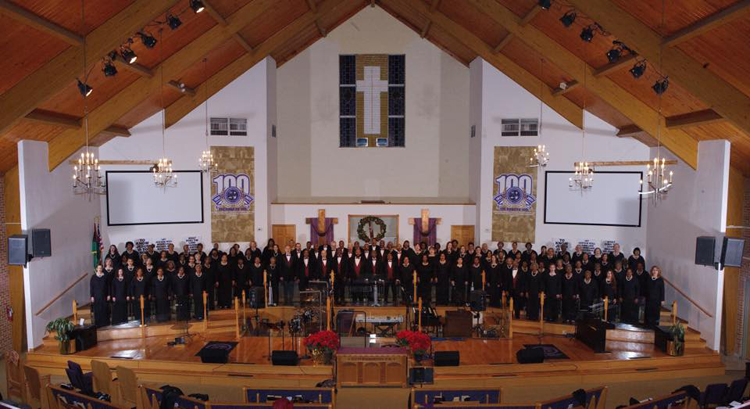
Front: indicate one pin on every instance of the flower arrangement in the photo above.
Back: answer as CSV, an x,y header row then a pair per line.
x,y
323,341
417,342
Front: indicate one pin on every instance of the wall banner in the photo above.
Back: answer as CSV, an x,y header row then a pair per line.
x,y
233,194
514,195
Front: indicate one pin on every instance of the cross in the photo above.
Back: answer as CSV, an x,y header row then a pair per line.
x,y
425,219
321,220
372,86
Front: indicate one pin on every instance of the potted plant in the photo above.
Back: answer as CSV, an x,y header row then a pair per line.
x,y
417,342
62,328
676,345
322,346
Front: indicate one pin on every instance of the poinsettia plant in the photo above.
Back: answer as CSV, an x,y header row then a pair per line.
x,y
417,342
322,341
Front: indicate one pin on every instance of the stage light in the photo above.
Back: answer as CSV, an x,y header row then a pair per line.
x,y
148,40
545,4
638,69
661,85
128,55
173,22
587,34
613,55
568,18
109,69
197,5
84,89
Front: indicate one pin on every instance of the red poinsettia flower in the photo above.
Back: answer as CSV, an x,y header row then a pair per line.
x,y
418,342
325,341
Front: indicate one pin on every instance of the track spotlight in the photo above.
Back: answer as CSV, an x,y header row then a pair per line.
x,y
197,5
568,18
128,55
587,34
109,69
84,89
173,22
147,39
661,85
638,69
613,55
545,4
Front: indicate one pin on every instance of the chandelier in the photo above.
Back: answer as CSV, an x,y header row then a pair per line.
x,y
206,161
163,175
583,178
540,157
87,177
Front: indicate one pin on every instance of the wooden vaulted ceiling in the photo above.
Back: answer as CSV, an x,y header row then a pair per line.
x,y
702,45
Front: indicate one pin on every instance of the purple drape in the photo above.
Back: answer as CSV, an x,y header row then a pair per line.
x,y
431,236
315,235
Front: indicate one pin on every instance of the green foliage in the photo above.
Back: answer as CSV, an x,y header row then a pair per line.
x,y
678,336
62,327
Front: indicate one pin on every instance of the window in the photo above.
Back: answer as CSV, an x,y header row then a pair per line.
x,y
228,126
529,127
219,126
510,127
520,127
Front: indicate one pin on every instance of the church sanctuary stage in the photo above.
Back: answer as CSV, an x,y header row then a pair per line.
x,y
483,362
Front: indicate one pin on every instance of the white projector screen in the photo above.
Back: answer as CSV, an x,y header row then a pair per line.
x,y
612,201
132,198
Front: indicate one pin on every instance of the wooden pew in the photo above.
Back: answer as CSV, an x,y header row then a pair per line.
x,y
473,405
60,398
425,396
674,400
267,405
318,395
596,398
151,397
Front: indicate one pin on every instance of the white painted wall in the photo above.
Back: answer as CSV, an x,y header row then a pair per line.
x,y
47,201
250,96
434,162
297,213
696,206
494,96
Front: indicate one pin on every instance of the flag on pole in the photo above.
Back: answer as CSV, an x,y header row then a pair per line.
x,y
96,245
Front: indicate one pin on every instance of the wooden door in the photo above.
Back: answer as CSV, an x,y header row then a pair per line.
x,y
463,233
282,233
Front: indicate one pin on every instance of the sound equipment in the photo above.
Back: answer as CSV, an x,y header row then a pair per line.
x,y
421,375
84,336
41,243
530,356
478,301
214,356
592,331
704,250
255,297
731,252
284,358
18,252
458,324
446,358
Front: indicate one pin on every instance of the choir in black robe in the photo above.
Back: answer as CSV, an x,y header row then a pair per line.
x,y
407,281
99,289
425,273
630,290
515,286
609,290
443,275
494,276
273,275
138,288
197,287
552,288
241,278
654,294
569,297
533,287
588,293
180,287
340,272
459,281
475,277
224,275
160,292
119,293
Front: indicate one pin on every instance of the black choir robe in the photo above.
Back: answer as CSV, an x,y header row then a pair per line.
x,y
443,275
610,291
180,287
552,288
160,292
119,293
459,280
588,292
654,294
241,278
630,290
533,287
569,296
407,281
198,284
494,275
139,287
425,273
475,275
99,291
224,275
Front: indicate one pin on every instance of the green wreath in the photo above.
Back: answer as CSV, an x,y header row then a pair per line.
x,y
365,222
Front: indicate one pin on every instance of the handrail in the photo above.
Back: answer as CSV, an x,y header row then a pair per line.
x,y
68,288
703,310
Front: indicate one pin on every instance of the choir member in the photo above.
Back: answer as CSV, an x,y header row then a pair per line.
x,y
358,271
500,251
606,263
139,288
569,296
654,294
533,287
224,274
514,287
548,258
186,253
208,271
577,255
588,291
563,251
586,263
273,277
163,260
114,256
636,258
160,293
109,271
459,281
619,271
425,274
232,255
190,267
495,272
598,275
99,292
268,251
119,292
172,254
130,253
198,285
597,256
642,276
552,293
609,291
578,270
256,272
407,274
527,254
199,251
180,287
514,251
341,276
129,270
443,277
241,277
630,290
305,270
616,255
287,274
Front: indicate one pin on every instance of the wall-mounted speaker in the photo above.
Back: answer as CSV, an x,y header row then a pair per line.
x,y
705,247
447,358
731,252
18,252
41,243
284,358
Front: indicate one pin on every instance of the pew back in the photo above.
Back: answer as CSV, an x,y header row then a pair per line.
x,y
596,398
60,398
475,395
317,395
665,402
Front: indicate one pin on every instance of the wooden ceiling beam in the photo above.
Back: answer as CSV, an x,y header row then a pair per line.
x,y
530,15
54,119
68,142
508,37
220,20
621,64
569,86
426,30
680,143
241,41
697,118
701,27
628,130
314,8
179,86
26,17
712,90
178,109
136,68
63,69
563,106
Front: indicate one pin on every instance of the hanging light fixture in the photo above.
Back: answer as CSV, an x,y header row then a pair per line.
x,y
87,177
540,157
659,179
164,177
583,176
206,161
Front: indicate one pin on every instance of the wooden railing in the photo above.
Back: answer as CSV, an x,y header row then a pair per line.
x,y
58,296
687,297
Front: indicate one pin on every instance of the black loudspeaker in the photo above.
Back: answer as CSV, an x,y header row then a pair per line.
x,y
704,250
421,375
41,243
18,252
731,252
447,358
84,336
256,298
530,356
214,356
478,300
284,358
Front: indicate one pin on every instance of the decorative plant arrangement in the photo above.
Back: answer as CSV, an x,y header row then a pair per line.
x,y
417,342
677,331
62,328
322,345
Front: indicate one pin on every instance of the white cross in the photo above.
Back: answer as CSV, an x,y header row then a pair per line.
x,y
372,86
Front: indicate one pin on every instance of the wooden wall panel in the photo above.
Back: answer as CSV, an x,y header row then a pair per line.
x,y
730,314
12,207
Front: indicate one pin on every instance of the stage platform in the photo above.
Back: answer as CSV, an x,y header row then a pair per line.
x,y
484,362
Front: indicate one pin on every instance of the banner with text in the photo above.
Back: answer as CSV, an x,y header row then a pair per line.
x,y
233,194
514,195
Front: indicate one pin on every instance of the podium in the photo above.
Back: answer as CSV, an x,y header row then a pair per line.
x,y
592,331
372,367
